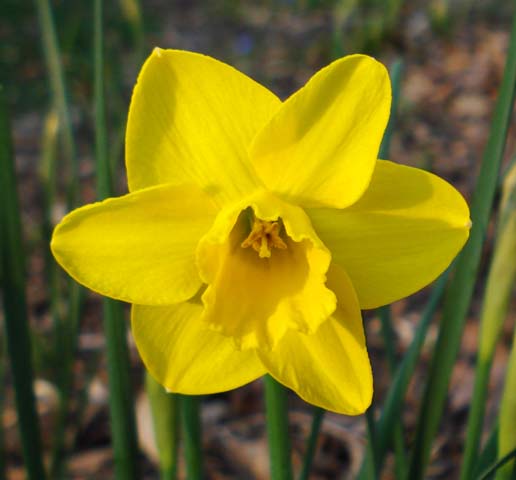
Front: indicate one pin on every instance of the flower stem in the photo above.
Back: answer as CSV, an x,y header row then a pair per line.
x,y
368,468
12,272
192,437
123,429
165,418
277,429
317,419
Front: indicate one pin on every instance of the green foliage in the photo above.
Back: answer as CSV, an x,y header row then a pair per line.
x,y
165,417
460,291
12,273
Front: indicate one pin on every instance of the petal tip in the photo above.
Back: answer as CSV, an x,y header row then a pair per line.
x,y
158,52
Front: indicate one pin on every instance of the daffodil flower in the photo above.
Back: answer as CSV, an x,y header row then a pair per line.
x,y
256,230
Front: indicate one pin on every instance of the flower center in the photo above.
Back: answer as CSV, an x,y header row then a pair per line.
x,y
264,236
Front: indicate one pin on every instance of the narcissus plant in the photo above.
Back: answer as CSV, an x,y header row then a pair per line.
x,y
256,230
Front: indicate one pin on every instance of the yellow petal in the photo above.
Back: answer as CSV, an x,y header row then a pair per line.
x,y
321,146
252,298
185,356
139,248
191,120
403,232
330,368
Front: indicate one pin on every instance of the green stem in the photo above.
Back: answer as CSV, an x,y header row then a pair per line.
x,y
385,312
123,429
475,419
507,415
317,419
499,464
64,327
460,291
104,185
66,344
12,272
57,85
399,444
499,286
488,454
395,72
165,419
371,461
388,335
192,436
392,407
3,391
133,13
277,429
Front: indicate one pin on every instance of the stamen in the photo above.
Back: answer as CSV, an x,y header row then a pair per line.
x,y
263,237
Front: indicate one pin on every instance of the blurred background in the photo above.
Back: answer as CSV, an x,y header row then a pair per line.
x,y
452,55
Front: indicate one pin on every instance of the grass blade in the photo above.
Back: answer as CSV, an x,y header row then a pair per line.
x,y
132,12
387,331
3,391
393,403
396,71
488,455
499,464
65,322
370,466
65,326
507,419
57,85
123,427
459,294
500,282
317,419
65,346
16,319
165,419
103,168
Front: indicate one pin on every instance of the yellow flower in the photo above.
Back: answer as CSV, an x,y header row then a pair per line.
x,y
256,230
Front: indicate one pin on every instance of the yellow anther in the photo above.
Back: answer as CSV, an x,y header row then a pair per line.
x,y
264,235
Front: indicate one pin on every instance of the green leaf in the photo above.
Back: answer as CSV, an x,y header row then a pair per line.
x,y
499,286
499,464
393,405
12,273
459,294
